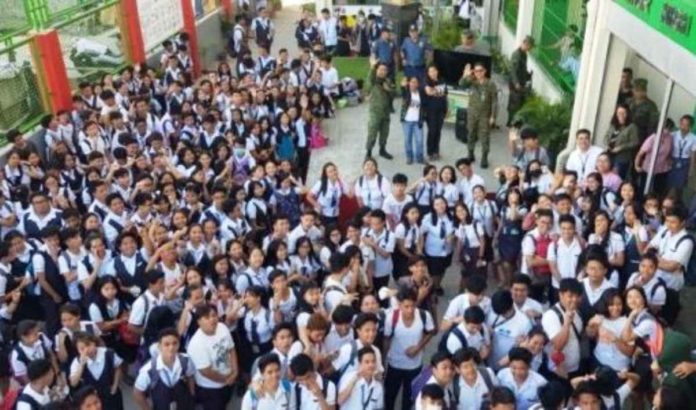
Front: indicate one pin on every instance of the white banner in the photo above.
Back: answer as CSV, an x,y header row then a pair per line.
x,y
159,20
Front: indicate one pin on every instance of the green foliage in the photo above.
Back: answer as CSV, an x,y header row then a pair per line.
x,y
311,7
500,62
551,120
445,34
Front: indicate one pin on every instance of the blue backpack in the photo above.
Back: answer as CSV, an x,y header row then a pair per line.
x,y
285,149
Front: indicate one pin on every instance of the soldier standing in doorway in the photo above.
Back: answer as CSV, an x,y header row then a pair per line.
x,y
643,110
483,98
520,78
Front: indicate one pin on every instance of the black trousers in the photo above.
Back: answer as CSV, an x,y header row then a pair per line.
x,y
51,316
395,380
213,399
435,119
303,162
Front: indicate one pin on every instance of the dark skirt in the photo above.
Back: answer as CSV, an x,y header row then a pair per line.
x,y
437,265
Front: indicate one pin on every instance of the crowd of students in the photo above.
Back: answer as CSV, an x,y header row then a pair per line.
x,y
164,237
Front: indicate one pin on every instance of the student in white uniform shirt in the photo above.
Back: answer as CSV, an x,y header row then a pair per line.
x,y
594,281
508,326
443,374
606,326
31,346
305,228
583,159
438,229
166,379
335,293
371,188
468,179
474,382
382,241
360,389
325,195
145,303
519,378
655,288
283,339
674,247
397,200
563,325
474,296
564,253
366,325
407,330
472,332
341,331
35,394
272,390
213,354
610,242
99,367
311,391
425,189
519,289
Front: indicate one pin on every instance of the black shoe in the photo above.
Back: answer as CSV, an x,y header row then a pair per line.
x,y
484,162
472,156
384,154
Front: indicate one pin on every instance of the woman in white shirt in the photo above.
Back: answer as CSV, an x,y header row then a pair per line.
x,y
471,243
371,187
611,242
606,326
409,239
438,229
325,195
448,186
636,238
304,264
271,392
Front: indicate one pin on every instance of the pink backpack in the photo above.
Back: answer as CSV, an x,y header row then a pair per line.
x,y
317,139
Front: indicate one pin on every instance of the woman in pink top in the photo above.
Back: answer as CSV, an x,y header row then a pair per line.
x,y
610,179
663,163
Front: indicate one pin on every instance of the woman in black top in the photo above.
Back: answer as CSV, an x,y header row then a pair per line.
x,y
435,111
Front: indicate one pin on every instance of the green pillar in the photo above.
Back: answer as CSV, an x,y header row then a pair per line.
x,y
38,14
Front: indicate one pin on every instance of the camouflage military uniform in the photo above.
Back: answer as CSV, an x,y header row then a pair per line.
x,y
518,76
382,91
646,116
483,98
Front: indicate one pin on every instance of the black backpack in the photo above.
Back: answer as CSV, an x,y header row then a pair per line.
x,y
670,310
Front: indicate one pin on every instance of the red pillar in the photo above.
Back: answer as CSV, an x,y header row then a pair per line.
x,y
228,9
133,36
50,66
190,29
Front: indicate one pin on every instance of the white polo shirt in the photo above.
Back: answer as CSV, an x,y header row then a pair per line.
x,y
466,187
552,326
410,235
436,235
283,398
606,352
345,354
365,395
460,303
666,244
330,198
372,191
449,394
683,145
475,340
139,310
525,393
484,213
393,207
170,376
43,398
386,241
593,295
470,235
505,334
310,402
583,163
95,366
471,396
566,257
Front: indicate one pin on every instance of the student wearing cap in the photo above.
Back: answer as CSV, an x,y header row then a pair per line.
x,y
520,77
167,379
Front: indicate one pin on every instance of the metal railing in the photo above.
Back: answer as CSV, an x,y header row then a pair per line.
x,y
558,27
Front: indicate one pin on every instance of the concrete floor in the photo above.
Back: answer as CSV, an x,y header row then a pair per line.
x,y
347,133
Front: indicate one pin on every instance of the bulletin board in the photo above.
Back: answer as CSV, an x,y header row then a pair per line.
x,y
159,19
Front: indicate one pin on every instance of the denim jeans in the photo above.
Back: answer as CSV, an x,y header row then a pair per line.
x,y
413,140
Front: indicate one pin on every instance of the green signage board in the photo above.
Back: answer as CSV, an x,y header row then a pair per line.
x,y
675,19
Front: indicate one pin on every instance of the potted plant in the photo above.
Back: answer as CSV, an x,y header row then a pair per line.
x,y
551,120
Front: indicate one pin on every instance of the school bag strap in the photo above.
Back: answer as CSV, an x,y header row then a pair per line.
x,y
558,313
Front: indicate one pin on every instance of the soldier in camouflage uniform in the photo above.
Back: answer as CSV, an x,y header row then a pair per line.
x,y
483,99
643,110
382,91
519,78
